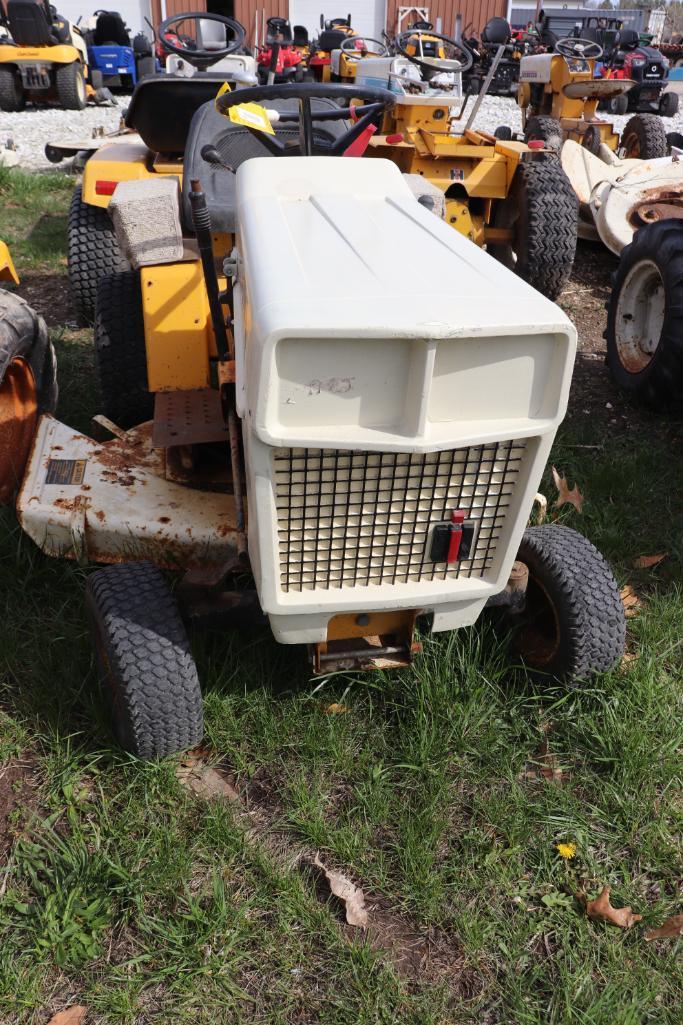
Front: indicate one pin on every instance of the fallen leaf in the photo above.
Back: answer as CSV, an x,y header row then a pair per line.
x,y
335,709
672,927
574,497
629,656
602,909
350,895
206,782
542,502
544,763
631,602
648,561
73,1015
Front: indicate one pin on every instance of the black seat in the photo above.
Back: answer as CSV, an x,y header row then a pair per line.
x,y
300,35
496,32
110,30
279,30
331,39
162,107
29,24
235,145
627,39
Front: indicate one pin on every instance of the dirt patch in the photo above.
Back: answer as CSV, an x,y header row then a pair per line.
x,y
18,784
48,294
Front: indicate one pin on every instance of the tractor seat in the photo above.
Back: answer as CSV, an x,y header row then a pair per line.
x,y
235,145
110,30
279,30
300,35
28,24
597,88
162,107
331,39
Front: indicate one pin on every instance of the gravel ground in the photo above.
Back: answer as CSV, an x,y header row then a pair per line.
x,y
31,129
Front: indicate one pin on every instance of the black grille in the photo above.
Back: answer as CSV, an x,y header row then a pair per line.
x,y
357,519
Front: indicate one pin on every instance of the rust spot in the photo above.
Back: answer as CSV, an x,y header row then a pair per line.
x,y
86,487
164,519
18,421
100,515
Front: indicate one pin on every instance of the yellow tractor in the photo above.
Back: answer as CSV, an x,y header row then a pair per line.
x,y
44,59
344,61
559,96
327,447
501,194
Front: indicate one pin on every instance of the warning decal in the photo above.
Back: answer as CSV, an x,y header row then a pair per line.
x,y
65,471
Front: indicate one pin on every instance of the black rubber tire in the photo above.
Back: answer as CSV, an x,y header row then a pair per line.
x,y
93,252
542,210
547,129
674,139
617,104
504,133
120,351
148,676
591,139
644,137
668,104
660,383
12,96
70,83
577,587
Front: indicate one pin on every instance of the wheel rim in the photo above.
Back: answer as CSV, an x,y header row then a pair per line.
x,y
18,419
538,640
639,319
632,146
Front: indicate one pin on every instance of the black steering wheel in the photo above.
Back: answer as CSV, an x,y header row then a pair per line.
x,y
579,48
432,64
375,102
201,58
355,53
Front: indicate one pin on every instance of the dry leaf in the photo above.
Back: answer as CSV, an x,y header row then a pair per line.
x,y
648,561
542,502
335,709
574,497
629,656
544,763
73,1015
206,782
672,927
351,896
601,908
631,602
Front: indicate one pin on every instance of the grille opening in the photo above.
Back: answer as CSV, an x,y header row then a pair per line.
x,y
358,519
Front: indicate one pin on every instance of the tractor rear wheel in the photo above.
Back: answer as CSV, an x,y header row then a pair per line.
x,y
644,137
28,386
618,104
93,252
668,104
148,676
573,624
544,129
11,91
541,212
120,350
70,82
645,316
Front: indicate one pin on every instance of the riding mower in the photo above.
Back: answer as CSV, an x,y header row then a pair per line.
x,y
646,69
122,61
559,96
45,60
159,115
332,35
279,60
345,476
344,61
497,32
500,193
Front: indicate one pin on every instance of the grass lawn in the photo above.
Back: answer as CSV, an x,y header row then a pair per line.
x,y
122,890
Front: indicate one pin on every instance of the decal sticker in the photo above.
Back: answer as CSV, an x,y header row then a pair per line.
x,y
457,174
252,115
65,471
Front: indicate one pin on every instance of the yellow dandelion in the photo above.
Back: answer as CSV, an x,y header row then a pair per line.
x,y
566,850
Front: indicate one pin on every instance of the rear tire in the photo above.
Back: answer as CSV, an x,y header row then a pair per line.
x,y
573,626
541,210
93,252
11,91
645,317
674,139
147,673
504,133
120,350
70,82
618,104
644,137
668,104
545,129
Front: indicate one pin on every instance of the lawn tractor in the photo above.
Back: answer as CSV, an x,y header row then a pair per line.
x,y
279,60
159,116
500,193
559,96
332,34
121,61
646,69
318,451
45,60
344,61
497,32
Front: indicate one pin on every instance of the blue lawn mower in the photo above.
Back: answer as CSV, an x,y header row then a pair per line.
x,y
121,60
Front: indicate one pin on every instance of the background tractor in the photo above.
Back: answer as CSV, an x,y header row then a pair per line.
x,y
120,59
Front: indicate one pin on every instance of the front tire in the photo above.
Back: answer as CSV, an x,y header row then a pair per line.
x,y
544,129
12,97
120,351
541,212
618,104
573,625
148,676
644,137
93,253
645,317
668,104
70,82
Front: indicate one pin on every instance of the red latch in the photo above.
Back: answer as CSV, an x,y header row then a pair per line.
x,y
455,539
392,140
105,188
536,144
359,145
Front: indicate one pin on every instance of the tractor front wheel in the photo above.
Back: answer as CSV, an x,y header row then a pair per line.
x,y
93,252
120,350
148,676
70,82
618,104
573,624
541,213
668,104
645,316
28,386
544,129
644,137
11,91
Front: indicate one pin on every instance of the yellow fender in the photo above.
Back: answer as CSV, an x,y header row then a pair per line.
x,y
61,53
7,268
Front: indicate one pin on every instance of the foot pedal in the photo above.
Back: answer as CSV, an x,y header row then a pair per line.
x,y
188,418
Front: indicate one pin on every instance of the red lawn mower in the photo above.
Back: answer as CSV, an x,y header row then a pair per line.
x,y
280,60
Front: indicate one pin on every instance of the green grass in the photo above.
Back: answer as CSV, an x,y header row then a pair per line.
x,y
124,892
34,208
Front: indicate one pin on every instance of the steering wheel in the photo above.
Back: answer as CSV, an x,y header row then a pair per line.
x,y
434,63
375,102
201,58
354,53
580,48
